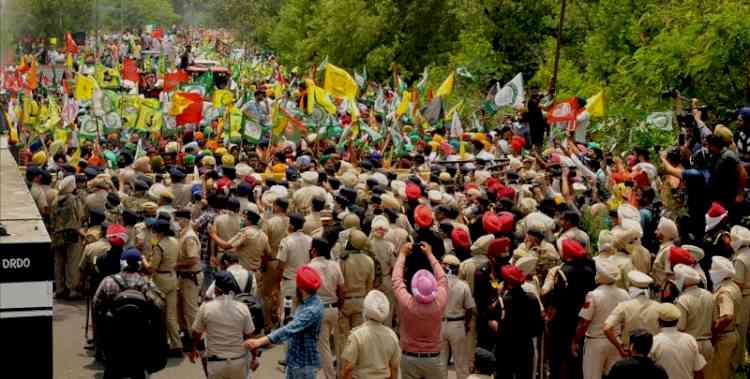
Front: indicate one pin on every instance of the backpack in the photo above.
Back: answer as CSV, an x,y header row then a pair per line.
x,y
253,303
134,325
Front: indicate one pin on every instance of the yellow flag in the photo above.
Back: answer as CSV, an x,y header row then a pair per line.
x,y
179,104
456,108
403,106
317,95
150,118
446,88
339,83
278,119
69,62
222,98
595,105
84,87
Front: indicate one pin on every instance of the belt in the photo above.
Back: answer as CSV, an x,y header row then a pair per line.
x,y
703,338
164,272
421,355
331,305
596,338
214,358
353,297
454,318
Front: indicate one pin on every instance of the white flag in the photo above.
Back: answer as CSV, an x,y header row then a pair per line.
x,y
457,129
511,94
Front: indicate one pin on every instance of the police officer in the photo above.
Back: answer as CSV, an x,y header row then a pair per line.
x,y
162,266
598,354
697,308
66,224
640,312
359,275
727,302
456,319
188,268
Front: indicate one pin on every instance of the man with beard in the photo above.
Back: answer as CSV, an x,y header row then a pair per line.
x,y
570,284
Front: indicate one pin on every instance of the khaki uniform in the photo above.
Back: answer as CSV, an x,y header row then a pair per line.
x,y
742,278
466,272
225,324
190,279
546,254
677,353
385,253
227,226
66,220
625,264
96,199
727,302
359,274
251,244
165,278
460,300
92,251
40,198
313,224
659,267
182,195
599,355
638,313
331,279
373,349
134,202
697,308
276,228
641,258
294,251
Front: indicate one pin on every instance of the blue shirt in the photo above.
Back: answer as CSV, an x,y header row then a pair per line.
x,y
302,334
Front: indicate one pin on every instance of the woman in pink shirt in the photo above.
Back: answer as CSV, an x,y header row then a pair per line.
x,y
421,312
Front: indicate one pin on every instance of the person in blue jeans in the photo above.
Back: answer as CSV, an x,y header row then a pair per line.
x,y
302,360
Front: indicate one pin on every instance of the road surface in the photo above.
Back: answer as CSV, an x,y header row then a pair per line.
x,y
72,361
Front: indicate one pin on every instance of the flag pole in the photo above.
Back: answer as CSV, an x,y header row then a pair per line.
x,y
553,81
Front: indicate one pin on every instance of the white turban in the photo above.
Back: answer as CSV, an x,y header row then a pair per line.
x,y
721,268
668,229
68,184
628,212
740,237
685,275
376,306
606,241
607,271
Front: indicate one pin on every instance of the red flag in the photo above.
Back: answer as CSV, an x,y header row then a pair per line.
x,y
70,43
11,82
562,111
158,33
173,79
193,114
130,70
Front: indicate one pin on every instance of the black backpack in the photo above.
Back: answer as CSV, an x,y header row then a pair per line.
x,y
253,303
134,325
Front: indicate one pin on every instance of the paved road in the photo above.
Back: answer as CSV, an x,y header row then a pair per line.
x,y
72,361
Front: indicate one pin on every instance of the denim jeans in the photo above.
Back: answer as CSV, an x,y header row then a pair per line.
x,y
307,372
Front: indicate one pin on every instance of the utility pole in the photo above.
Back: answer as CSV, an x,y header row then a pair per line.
x,y
96,31
553,81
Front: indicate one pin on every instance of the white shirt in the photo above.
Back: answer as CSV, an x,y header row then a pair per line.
x,y
677,353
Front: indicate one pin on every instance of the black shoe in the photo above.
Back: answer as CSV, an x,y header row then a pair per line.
x,y
282,362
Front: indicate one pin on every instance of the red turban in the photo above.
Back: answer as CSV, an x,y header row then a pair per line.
x,y
308,279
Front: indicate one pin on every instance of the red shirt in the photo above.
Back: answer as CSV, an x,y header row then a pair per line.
x,y
420,324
